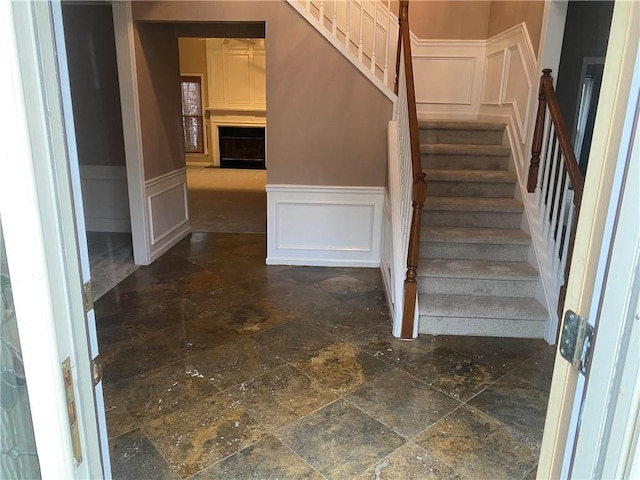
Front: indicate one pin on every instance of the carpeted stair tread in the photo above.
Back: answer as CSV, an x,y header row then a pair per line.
x,y
476,269
461,125
468,307
465,149
477,176
474,204
490,236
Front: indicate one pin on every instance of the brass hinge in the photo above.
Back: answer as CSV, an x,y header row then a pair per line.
x,y
96,370
87,297
576,342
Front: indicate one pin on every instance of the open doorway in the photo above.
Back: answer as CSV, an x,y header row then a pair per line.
x,y
223,86
93,73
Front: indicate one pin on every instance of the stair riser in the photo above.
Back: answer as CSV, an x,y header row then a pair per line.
x,y
470,189
450,218
477,287
473,137
485,327
441,161
466,251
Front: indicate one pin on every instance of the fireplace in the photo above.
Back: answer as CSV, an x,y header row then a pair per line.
x,y
242,147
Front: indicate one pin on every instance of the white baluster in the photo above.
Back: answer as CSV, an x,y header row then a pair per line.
x,y
549,154
550,187
321,14
553,234
347,32
546,138
567,237
385,74
373,40
334,24
308,4
360,43
561,225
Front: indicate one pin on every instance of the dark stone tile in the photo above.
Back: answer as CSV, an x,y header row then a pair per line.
x,y
342,367
118,419
134,457
295,340
281,396
300,301
235,363
344,320
222,298
478,446
268,459
516,403
380,343
210,430
374,302
344,287
340,441
310,275
502,353
538,370
162,391
452,373
371,276
532,475
200,282
199,334
410,462
171,267
403,403
135,356
255,317
114,328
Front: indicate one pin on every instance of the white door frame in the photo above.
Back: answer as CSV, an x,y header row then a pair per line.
x,y
38,218
128,81
605,148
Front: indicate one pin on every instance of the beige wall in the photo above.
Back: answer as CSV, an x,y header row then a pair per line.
x,y
326,123
449,19
193,59
159,96
93,75
507,14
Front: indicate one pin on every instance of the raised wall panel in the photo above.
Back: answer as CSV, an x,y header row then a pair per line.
x,y
238,79
215,69
259,78
493,79
331,226
167,210
450,79
518,87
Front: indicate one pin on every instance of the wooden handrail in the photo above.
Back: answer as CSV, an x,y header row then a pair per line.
x,y
419,192
547,99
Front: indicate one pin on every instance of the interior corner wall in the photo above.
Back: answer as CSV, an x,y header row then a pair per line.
x,y
326,123
158,70
448,19
506,14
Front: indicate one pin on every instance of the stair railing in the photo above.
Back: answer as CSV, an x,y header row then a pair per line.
x,y
363,29
409,149
556,180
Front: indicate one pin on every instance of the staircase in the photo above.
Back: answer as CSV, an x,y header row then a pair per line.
x,y
473,274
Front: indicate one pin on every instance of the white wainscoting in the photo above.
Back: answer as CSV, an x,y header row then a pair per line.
x,y
105,198
448,77
167,210
325,226
509,88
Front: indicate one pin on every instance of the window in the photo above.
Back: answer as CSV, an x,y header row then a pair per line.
x,y
192,121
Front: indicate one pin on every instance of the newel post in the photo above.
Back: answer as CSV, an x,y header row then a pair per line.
x,y
410,284
538,133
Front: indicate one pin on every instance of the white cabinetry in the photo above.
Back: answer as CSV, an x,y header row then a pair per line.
x,y
236,73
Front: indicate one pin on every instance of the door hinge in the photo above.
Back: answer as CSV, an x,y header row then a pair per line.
x,y
87,297
576,342
96,370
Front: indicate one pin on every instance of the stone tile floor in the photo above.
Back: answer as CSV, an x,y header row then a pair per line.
x,y
219,367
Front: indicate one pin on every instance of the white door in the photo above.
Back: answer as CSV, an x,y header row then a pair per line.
x,y
46,253
586,432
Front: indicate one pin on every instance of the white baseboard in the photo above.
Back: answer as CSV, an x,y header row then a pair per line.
x,y
167,211
324,226
105,198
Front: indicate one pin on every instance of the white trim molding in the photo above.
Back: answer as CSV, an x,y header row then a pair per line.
x,y
167,210
324,226
105,198
448,77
